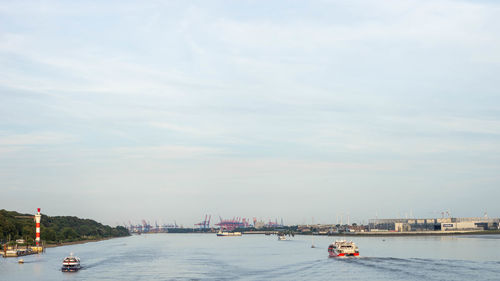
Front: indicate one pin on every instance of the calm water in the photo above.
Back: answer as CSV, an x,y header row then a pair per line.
x,y
260,257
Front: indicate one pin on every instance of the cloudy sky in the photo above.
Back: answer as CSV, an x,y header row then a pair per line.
x,y
168,110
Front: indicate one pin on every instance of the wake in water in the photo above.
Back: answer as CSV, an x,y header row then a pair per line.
x,y
421,269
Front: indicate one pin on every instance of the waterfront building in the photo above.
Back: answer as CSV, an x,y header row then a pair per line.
x,y
434,224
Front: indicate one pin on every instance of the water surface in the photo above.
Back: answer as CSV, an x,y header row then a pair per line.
x,y
260,257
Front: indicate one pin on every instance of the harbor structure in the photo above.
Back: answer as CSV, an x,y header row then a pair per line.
x,y
270,224
234,223
146,227
16,250
259,224
38,218
204,225
434,224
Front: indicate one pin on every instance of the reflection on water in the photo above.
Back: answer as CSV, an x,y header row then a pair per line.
x,y
259,257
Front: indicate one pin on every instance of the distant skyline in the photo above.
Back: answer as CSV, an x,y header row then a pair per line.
x,y
170,110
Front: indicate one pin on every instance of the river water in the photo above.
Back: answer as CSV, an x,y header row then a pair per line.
x,y
260,257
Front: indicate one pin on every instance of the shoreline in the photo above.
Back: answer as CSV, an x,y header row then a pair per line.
x,y
78,242
386,233
46,246
416,233
364,234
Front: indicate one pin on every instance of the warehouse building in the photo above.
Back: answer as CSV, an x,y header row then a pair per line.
x,y
441,224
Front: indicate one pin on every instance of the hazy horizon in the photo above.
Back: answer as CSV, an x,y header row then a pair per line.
x,y
166,110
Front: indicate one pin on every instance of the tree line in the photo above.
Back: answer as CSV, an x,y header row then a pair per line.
x,y
54,229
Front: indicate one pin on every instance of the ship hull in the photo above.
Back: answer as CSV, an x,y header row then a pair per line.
x,y
229,234
335,255
343,248
70,269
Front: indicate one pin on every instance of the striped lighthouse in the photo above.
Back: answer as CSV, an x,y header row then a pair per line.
x,y
38,217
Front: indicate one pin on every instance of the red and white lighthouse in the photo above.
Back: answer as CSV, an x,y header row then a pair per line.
x,y
38,217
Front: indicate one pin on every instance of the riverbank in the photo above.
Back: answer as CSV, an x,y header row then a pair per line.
x,y
78,242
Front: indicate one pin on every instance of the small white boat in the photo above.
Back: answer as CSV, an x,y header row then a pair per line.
x,y
281,237
20,261
71,263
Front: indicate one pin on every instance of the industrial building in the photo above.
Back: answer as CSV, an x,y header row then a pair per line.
x,y
439,224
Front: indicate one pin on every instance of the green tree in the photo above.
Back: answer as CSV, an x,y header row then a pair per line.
x,y
69,233
49,235
54,228
84,230
28,232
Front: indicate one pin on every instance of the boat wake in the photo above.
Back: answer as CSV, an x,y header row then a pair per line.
x,y
420,269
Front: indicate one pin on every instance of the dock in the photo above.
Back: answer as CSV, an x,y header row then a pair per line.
x,y
21,251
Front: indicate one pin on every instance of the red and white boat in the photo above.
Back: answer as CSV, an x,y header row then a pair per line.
x,y
71,263
343,248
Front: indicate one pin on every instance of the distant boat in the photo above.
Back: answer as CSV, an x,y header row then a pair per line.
x,y
20,261
281,237
312,235
71,263
226,233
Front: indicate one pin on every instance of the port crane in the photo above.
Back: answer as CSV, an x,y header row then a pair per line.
x,y
232,224
205,224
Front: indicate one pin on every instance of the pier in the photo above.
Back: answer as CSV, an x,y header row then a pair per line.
x,y
16,251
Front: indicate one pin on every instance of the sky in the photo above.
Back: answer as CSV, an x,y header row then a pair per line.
x,y
303,110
